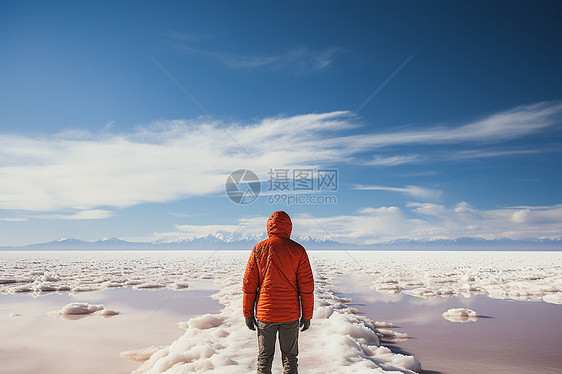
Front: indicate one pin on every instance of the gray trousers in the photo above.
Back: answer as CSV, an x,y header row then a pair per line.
x,y
288,341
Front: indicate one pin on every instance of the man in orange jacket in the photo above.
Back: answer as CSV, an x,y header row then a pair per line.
x,y
279,280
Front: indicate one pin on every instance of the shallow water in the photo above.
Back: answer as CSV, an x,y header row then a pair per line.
x,y
508,337
35,342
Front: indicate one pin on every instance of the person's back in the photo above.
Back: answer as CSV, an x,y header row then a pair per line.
x,y
279,280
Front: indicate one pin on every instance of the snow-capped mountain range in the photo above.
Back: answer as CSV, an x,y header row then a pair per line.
x,y
227,241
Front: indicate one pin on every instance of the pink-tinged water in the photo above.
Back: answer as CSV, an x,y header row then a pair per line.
x,y
509,337
37,343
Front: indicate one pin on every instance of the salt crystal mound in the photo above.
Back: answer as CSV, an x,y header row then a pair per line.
x,y
141,355
108,312
80,310
149,286
502,275
460,315
221,343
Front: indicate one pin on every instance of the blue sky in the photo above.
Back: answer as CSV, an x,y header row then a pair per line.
x,y
99,136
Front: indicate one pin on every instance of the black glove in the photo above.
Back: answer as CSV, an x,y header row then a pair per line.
x,y
305,324
251,323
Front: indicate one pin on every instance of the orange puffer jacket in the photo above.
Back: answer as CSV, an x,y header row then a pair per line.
x,y
277,274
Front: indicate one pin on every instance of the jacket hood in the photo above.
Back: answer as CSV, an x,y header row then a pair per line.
x,y
279,224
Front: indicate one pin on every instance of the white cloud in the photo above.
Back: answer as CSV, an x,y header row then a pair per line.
x,y
161,163
84,214
419,221
77,171
414,191
513,223
520,216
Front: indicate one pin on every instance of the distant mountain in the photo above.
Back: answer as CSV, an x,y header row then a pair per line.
x,y
228,241
471,244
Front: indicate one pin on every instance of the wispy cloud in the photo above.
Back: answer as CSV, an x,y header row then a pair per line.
x,y
183,36
413,191
511,124
299,59
109,125
451,156
77,215
13,219
394,160
84,214
485,153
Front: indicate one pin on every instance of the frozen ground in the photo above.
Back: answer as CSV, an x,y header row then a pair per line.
x,y
349,342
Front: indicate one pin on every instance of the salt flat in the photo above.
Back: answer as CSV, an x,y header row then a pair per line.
x,y
349,341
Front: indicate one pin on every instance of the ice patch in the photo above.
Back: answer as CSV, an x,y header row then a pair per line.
x,y
460,315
